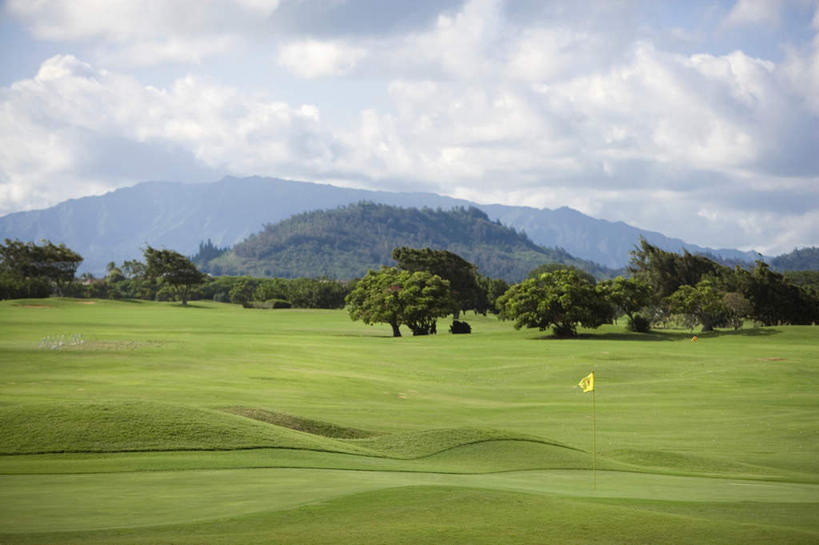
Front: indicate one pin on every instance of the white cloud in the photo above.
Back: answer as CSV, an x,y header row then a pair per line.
x,y
313,58
146,32
754,12
543,113
52,124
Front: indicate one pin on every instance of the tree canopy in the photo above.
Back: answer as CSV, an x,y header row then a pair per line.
x,y
461,274
560,299
29,264
398,297
174,269
628,295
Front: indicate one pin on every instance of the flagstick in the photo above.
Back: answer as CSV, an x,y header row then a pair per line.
x,y
594,441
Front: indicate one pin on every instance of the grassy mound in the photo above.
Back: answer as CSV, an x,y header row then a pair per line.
x,y
681,462
142,426
420,444
455,515
315,427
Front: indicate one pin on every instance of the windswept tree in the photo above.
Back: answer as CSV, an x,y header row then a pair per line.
x,y
174,269
666,271
398,297
27,264
561,299
775,300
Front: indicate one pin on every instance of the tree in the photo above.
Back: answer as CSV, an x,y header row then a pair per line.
x,y
701,304
114,273
133,269
775,300
398,297
242,292
492,289
667,271
552,267
561,299
628,295
461,274
30,264
738,308
174,269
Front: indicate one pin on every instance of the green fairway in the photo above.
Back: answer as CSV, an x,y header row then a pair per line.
x,y
154,423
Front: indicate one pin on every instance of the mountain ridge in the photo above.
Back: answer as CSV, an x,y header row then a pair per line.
x,y
117,225
345,242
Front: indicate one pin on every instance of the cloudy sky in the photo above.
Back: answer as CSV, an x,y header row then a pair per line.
x,y
695,118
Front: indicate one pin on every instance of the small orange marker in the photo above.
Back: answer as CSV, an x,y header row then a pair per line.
x,y
694,339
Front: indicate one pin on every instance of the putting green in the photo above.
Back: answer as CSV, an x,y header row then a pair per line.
x,y
115,500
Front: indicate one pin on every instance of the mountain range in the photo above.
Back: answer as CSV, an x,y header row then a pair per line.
x,y
117,225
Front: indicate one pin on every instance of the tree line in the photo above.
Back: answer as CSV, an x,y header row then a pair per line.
x,y
29,270
427,285
663,288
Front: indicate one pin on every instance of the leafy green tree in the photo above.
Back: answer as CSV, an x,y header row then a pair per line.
x,y
561,299
775,300
738,308
701,304
399,297
271,288
628,295
492,289
175,270
242,292
461,274
316,293
114,273
807,280
30,264
552,267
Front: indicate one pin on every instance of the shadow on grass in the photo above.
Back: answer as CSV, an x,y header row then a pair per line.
x,y
665,335
190,305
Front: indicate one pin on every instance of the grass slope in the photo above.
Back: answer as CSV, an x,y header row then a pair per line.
x,y
220,425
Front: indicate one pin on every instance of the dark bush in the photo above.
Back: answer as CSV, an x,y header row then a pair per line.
x,y
20,288
460,327
272,303
638,324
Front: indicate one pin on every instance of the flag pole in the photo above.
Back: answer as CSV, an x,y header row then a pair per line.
x,y
594,441
587,384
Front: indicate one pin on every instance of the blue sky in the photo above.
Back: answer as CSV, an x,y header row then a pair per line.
x,y
697,119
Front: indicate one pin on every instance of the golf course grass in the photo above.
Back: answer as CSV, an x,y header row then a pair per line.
x,y
138,422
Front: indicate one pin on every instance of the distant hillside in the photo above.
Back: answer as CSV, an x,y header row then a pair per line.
x,y
117,225
348,241
804,259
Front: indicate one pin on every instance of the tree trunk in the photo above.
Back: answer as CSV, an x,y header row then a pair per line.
x,y
395,331
707,325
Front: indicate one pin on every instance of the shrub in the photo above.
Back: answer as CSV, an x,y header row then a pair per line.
x,y
272,303
460,327
638,324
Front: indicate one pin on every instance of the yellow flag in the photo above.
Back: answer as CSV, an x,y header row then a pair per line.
x,y
587,382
